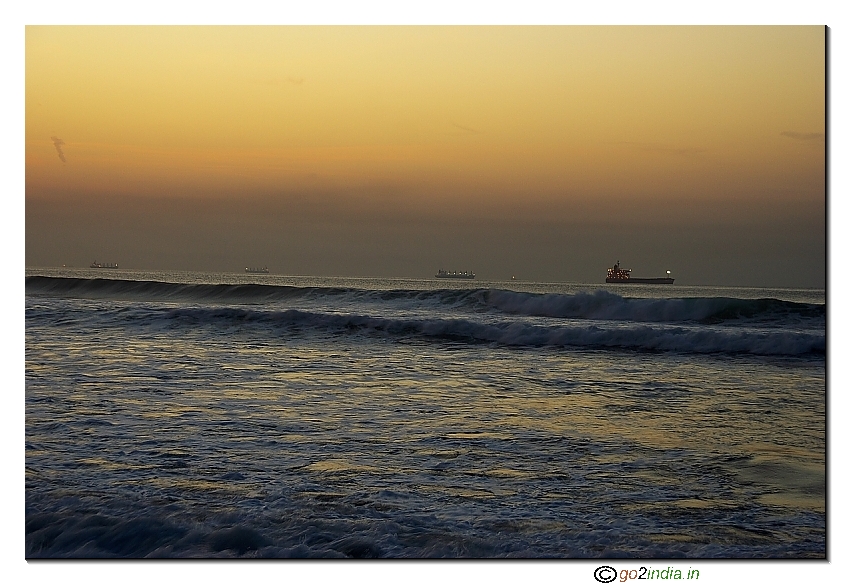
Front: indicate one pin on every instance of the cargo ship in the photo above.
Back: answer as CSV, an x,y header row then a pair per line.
x,y
96,265
617,275
256,270
455,274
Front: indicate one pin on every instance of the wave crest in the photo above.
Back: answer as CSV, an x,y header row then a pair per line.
x,y
598,335
598,305
603,305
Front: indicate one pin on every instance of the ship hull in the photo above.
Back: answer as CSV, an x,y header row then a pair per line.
x,y
455,276
649,280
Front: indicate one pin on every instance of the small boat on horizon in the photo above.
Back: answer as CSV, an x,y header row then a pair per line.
x,y
617,275
97,265
442,274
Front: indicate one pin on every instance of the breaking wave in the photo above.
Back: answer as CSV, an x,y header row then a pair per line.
x,y
599,305
603,305
514,333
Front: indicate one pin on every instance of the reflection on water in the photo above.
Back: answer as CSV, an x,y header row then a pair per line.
x,y
176,436
582,442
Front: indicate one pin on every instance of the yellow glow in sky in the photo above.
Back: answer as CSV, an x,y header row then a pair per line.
x,y
582,108
556,123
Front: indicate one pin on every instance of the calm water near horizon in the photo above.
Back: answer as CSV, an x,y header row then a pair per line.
x,y
183,414
806,295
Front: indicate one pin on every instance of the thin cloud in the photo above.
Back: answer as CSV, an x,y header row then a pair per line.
x,y
58,143
279,80
464,128
460,130
803,136
663,148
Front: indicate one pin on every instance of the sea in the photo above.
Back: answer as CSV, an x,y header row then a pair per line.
x,y
227,415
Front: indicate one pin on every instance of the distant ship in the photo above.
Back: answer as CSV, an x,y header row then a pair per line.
x,y
617,275
96,265
256,270
455,274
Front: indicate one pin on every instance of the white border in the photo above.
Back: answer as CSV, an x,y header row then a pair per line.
x,y
19,14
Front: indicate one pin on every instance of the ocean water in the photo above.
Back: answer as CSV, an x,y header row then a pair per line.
x,y
230,415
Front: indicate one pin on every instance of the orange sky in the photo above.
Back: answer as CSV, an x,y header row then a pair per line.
x,y
514,130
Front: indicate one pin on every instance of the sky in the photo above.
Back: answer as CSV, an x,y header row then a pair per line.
x,y
544,153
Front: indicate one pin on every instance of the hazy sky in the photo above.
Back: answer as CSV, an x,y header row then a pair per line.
x,y
545,153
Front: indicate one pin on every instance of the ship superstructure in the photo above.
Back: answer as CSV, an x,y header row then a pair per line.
x,y
455,274
618,275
